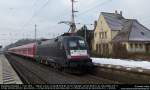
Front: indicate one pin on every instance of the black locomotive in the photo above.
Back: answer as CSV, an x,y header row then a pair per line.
x,y
65,52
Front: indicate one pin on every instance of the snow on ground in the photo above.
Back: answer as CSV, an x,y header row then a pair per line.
x,y
125,63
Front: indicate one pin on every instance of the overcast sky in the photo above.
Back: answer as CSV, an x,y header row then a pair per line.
x,y
18,17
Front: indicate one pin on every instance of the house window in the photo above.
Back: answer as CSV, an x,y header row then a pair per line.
x,y
140,45
99,35
101,22
102,35
99,47
106,46
136,45
143,33
105,34
124,46
131,45
96,47
95,34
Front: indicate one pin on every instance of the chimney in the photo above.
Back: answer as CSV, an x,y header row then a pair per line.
x,y
121,13
116,12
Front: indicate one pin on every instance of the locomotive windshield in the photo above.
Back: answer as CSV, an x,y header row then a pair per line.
x,y
77,44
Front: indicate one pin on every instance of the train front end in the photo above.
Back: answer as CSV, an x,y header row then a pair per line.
x,y
77,53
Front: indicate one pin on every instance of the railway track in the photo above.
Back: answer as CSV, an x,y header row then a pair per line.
x,y
31,78
34,73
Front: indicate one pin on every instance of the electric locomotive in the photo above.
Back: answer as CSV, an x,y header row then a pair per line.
x,y
65,51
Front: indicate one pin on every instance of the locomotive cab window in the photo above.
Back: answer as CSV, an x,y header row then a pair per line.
x,y
72,44
77,44
82,43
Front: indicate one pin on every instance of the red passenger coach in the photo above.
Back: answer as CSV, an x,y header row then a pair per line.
x,y
27,50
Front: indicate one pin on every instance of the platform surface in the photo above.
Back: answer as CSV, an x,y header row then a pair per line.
x,y
7,73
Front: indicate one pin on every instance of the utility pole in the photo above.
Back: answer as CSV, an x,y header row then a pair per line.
x,y
85,28
35,32
85,31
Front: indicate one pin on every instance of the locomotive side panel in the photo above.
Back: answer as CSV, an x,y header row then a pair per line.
x,y
50,51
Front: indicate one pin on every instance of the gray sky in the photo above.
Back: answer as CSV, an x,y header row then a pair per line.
x,y
18,17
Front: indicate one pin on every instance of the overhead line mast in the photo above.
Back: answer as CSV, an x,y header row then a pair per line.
x,y
73,26
72,22
35,36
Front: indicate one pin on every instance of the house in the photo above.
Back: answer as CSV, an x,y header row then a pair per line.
x,y
113,28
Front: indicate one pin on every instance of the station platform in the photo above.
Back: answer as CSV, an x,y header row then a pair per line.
x,y
7,73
